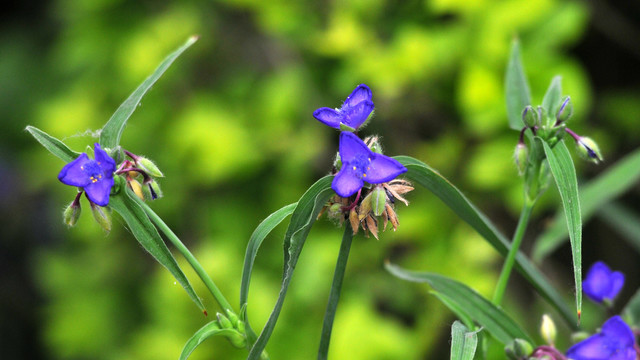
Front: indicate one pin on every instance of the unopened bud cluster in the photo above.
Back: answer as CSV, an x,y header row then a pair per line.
x,y
140,174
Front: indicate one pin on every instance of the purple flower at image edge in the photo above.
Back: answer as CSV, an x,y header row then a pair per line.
x,y
95,177
601,283
354,111
360,164
614,342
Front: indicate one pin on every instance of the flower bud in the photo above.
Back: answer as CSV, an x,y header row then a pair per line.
x,y
530,116
588,149
548,329
72,212
236,339
565,111
102,216
149,167
520,157
378,200
518,349
224,322
233,318
137,188
365,207
152,190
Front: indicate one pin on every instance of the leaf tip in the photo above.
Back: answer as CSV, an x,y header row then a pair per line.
x,y
579,316
194,38
205,312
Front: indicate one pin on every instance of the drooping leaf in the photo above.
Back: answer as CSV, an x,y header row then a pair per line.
x,y
148,236
483,311
302,219
552,97
334,294
209,330
423,175
564,173
112,130
55,146
259,234
618,179
463,342
517,92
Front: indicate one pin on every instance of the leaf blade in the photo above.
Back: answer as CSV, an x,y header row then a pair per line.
x,y
54,145
552,97
517,92
112,130
424,175
147,235
209,330
463,342
564,173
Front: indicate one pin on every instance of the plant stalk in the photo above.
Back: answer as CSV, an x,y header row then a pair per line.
x,y
513,251
334,295
208,282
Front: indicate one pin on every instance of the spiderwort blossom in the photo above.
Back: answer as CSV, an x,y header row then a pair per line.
x,y
354,111
94,176
601,283
614,342
360,164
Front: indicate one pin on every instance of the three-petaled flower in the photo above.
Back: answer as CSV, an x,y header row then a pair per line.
x,y
94,176
614,342
354,111
601,283
360,164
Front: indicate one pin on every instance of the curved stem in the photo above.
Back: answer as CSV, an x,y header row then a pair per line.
x,y
217,294
513,251
334,295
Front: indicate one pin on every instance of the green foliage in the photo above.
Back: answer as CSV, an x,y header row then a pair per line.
x,y
463,342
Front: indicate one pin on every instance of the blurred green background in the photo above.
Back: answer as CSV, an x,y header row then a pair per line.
x,y
230,125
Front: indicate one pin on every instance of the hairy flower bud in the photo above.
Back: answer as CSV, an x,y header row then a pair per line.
x,y
149,167
378,200
565,111
72,212
530,116
520,156
152,190
588,149
102,216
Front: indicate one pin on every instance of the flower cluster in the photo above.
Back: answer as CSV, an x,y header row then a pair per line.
x,y
362,162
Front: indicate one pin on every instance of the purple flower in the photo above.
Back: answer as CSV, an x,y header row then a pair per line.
x,y
360,164
94,176
354,111
614,342
601,283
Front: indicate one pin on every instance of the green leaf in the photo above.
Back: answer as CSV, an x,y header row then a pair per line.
x,y
631,311
617,180
302,219
463,342
261,232
491,317
517,92
453,306
423,175
148,236
552,97
564,174
623,221
55,146
209,330
112,130
334,295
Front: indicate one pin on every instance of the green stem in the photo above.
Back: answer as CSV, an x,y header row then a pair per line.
x,y
334,295
224,304
513,251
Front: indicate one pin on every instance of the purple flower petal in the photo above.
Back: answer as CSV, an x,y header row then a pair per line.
x,y
328,116
107,164
617,281
614,342
592,348
601,283
73,173
356,115
351,148
347,182
382,169
98,192
359,94
618,332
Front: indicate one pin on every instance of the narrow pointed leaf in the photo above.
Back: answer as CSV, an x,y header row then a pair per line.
x,y
147,235
259,234
112,131
423,175
483,311
623,221
615,181
302,219
463,342
55,146
564,174
516,88
209,330
552,97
